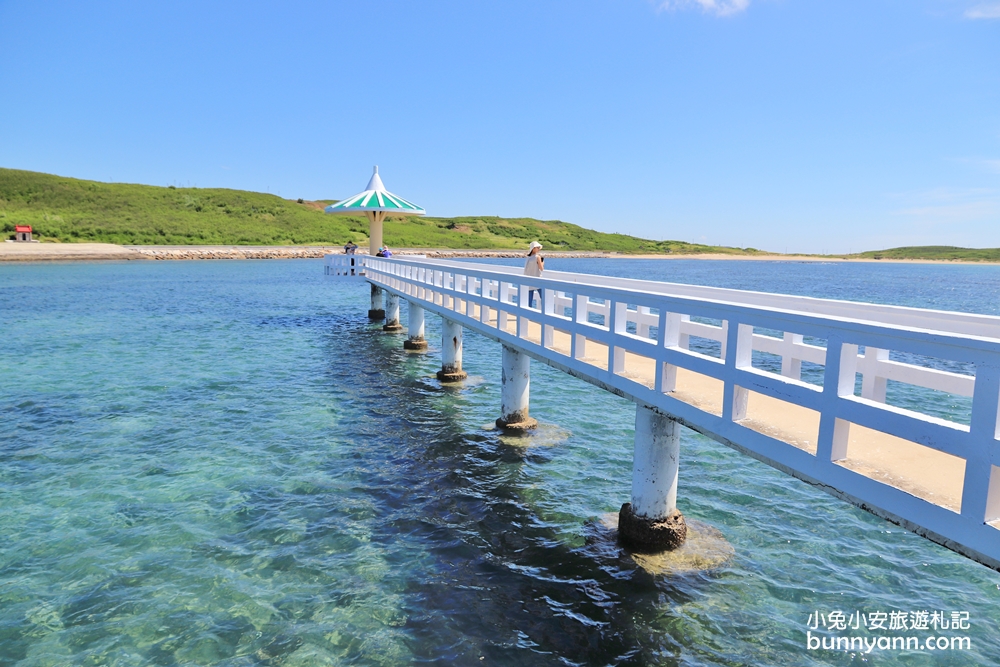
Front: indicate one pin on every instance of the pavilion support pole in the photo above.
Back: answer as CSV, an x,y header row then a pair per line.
x,y
514,392
392,313
451,352
415,328
652,522
376,312
375,218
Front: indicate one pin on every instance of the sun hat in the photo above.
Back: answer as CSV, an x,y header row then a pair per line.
x,y
534,244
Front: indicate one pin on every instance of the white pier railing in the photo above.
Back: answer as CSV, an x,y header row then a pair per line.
x,y
350,266
345,266
796,382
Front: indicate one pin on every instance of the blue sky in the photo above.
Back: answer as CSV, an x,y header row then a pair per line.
x,y
798,125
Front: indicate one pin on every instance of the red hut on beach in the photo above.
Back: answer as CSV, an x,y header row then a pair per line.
x,y
22,232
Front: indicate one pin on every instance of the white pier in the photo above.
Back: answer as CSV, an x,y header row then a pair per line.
x,y
696,355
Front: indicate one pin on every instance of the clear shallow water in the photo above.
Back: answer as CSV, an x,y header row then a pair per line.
x,y
223,463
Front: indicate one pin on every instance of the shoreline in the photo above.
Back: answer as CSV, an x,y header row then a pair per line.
x,y
63,252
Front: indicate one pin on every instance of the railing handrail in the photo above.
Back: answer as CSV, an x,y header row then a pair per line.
x,y
969,324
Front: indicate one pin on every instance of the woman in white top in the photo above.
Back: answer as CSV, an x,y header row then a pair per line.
x,y
534,266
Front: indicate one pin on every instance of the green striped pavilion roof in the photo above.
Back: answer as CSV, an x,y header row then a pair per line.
x,y
375,198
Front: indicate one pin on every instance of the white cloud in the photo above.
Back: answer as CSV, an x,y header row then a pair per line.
x,y
969,211
717,7
986,164
985,10
943,194
949,205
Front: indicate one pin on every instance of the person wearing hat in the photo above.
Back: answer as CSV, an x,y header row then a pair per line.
x,y
534,266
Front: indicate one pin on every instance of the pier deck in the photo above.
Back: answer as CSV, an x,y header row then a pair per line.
x,y
925,473
798,383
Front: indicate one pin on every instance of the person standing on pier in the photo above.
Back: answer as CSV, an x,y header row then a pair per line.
x,y
349,249
534,266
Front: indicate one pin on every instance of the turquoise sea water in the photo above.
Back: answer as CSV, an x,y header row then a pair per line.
x,y
223,463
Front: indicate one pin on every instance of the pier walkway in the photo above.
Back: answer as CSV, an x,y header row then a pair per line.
x,y
809,386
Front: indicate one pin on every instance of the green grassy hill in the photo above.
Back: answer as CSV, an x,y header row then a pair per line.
x,y
938,252
71,210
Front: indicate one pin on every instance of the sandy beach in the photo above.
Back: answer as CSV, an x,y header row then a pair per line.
x,y
63,252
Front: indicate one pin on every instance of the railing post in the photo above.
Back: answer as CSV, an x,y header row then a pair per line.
x,y
470,290
872,385
671,331
838,380
652,522
504,291
415,328
451,352
487,294
515,383
581,314
684,339
641,322
791,366
548,300
616,325
739,343
547,297
522,304
981,487
392,313
376,312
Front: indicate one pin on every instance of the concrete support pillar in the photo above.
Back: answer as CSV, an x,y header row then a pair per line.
x,y
514,391
415,340
652,522
451,352
376,312
392,313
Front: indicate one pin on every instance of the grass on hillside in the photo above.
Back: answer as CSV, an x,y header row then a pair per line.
x,y
938,252
71,210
